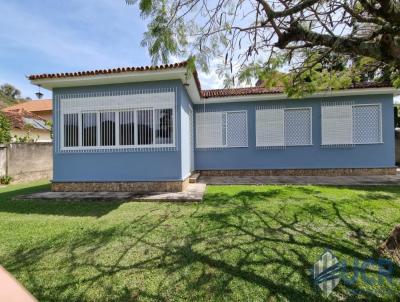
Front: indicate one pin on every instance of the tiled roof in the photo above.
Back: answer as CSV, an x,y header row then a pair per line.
x,y
210,93
257,90
105,71
213,93
19,118
32,106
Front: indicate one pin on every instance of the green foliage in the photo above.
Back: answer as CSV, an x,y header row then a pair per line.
x,y
10,91
235,33
5,180
5,129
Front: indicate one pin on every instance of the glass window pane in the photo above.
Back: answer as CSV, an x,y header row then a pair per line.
x,y
164,126
127,128
89,129
145,126
71,130
107,128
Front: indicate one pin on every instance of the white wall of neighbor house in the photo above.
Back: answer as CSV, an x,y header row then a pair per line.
x,y
39,136
3,160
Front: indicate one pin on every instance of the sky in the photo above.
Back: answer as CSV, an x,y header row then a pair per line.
x,y
50,36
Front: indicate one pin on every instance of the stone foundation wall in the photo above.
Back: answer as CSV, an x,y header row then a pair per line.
x,y
302,172
137,187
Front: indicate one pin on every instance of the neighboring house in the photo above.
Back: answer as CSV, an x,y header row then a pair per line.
x,y
42,108
149,128
27,126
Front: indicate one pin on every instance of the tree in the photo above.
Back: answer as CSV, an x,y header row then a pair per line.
x,y
256,38
5,128
10,91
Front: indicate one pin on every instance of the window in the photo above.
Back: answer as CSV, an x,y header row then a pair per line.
x,y
127,128
280,127
348,124
298,127
367,124
143,120
107,128
89,129
164,126
145,127
221,129
71,137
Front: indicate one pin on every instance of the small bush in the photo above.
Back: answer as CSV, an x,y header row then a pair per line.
x,y
5,180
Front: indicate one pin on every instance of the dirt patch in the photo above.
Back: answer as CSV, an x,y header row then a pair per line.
x,y
391,247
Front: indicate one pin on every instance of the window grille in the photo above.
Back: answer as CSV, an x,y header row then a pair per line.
x,y
367,124
298,126
123,121
278,127
347,124
71,137
221,129
89,129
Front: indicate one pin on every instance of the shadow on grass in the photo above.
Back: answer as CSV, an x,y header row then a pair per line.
x,y
9,203
228,244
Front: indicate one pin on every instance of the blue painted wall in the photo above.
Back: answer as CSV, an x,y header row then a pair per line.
x,y
119,166
359,156
175,165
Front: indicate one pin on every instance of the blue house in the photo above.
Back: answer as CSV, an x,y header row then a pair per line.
x,y
150,128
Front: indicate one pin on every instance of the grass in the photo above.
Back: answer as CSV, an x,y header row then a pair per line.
x,y
243,243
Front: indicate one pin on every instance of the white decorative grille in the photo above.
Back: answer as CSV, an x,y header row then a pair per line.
x,y
367,124
236,129
346,124
220,129
337,123
133,120
298,126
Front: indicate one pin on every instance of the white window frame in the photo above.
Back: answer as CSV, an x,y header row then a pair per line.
x,y
352,126
284,144
225,118
120,108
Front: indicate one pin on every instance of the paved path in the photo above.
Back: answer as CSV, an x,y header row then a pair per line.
x,y
194,192
302,180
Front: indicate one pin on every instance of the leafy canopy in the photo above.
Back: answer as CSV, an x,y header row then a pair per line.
x,y
303,45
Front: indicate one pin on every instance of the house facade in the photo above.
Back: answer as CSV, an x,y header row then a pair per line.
x,y
150,128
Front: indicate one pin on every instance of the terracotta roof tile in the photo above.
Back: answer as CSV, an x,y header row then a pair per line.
x,y
258,90
210,93
17,116
105,71
32,106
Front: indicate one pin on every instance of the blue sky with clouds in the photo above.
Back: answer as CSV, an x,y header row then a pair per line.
x,y
59,36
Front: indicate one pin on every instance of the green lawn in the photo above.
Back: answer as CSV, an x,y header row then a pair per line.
x,y
243,243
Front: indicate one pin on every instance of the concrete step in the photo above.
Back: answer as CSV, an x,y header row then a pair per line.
x,y
193,178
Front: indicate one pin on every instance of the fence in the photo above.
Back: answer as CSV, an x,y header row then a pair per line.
x,y
26,161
